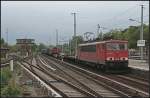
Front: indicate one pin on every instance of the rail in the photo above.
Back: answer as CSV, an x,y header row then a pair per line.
x,y
120,86
98,83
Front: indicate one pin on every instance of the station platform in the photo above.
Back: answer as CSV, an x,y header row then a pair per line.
x,y
139,64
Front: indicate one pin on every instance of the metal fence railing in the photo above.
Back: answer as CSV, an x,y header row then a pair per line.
x,y
135,54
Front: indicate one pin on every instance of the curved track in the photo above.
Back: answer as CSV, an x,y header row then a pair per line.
x,y
60,85
129,85
83,81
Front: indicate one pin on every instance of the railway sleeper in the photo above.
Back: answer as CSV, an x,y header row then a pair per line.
x,y
126,89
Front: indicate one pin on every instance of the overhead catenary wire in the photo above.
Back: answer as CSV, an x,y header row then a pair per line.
x,y
140,17
120,14
123,22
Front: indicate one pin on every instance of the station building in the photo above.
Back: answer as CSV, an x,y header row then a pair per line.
x,y
25,46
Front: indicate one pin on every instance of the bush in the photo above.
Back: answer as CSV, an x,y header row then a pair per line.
x,y
5,75
10,91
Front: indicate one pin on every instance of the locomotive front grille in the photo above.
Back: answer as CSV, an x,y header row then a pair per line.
x,y
116,59
117,64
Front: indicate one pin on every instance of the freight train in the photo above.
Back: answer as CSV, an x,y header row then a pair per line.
x,y
105,55
55,52
110,54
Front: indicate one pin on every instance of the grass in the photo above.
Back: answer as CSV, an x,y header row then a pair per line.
x,y
7,83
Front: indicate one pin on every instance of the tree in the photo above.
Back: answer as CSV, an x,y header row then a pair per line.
x,y
34,47
132,34
50,46
146,33
108,36
41,46
73,42
66,48
13,48
2,41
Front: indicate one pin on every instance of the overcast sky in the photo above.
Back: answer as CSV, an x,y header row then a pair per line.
x,y
40,19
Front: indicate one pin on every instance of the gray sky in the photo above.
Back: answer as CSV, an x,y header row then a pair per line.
x,y
40,19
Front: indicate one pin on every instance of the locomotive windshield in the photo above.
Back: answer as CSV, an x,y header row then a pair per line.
x,y
116,46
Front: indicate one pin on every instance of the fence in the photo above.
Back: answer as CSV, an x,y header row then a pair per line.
x,y
135,54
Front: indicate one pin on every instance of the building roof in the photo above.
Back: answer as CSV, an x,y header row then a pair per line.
x,y
4,49
25,41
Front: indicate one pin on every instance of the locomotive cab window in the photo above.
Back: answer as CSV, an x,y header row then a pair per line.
x,y
123,46
116,46
89,48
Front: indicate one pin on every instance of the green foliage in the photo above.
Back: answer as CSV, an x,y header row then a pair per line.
x,y
73,42
2,41
10,91
34,47
8,87
41,46
5,75
132,34
66,48
13,48
50,46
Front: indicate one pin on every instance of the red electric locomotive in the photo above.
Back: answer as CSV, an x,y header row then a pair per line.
x,y
111,54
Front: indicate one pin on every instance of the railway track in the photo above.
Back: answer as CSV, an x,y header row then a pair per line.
x,y
63,87
137,78
138,84
125,84
88,83
129,79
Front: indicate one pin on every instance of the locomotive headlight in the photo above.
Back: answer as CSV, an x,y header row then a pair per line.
x,y
123,58
110,58
126,58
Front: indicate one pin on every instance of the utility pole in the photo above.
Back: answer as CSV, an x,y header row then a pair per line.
x,y
70,46
74,23
98,28
56,37
74,14
49,40
7,37
7,42
62,48
141,34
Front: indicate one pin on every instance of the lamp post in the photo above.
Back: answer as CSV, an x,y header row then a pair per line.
x,y
74,14
141,31
141,37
